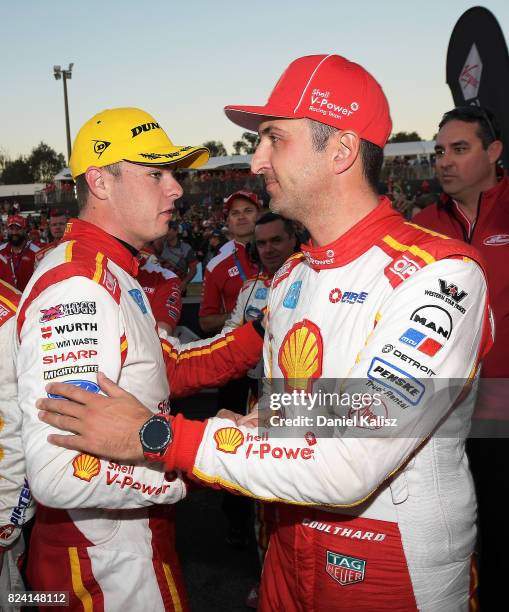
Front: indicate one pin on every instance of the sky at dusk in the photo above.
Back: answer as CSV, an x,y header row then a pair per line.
x,y
184,61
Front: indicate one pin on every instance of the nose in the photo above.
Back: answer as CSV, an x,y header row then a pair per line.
x,y
443,161
173,188
261,158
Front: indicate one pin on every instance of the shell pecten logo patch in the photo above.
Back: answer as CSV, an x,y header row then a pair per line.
x,y
86,467
229,439
301,356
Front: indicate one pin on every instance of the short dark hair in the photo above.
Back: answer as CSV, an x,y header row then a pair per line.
x,y
82,190
371,154
488,128
269,217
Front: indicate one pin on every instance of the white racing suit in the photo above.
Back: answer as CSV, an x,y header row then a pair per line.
x,y
381,512
104,531
16,505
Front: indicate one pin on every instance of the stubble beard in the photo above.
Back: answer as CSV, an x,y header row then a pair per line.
x,y
16,241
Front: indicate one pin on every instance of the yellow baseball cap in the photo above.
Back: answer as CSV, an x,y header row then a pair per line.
x,y
129,134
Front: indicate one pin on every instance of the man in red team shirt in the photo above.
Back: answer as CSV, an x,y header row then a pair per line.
x,y
226,272
17,255
162,288
476,210
56,228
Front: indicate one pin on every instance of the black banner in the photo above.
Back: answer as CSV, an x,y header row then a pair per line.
x,y
478,67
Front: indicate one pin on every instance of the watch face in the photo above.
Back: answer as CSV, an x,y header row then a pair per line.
x,y
156,434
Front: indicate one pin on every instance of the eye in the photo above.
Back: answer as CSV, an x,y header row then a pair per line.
x,y
156,174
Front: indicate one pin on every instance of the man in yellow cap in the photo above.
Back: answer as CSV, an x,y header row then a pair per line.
x,y
110,543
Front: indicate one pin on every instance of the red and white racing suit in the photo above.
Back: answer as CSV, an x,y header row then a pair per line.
x,y
16,506
110,543
381,512
17,268
162,288
224,275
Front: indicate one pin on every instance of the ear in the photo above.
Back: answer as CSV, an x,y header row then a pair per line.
x,y
97,182
495,150
346,150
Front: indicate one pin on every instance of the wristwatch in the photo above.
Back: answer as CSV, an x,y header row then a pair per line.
x,y
155,436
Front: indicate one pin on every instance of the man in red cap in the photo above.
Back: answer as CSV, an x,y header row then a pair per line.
x,y
17,255
367,330
226,272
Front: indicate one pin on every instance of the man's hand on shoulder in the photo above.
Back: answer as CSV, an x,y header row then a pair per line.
x,y
104,425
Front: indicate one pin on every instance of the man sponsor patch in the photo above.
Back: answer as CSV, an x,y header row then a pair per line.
x,y
434,318
66,310
137,296
233,271
343,569
81,369
390,376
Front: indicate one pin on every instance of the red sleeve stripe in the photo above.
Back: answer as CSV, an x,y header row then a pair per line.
x,y
197,352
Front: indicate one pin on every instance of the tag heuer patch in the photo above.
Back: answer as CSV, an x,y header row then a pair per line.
x,y
345,570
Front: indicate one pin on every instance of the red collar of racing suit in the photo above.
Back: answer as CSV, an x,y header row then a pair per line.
x,y
83,231
353,243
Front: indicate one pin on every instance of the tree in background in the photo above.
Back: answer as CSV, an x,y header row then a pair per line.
x,y
39,167
45,163
216,148
17,172
405,137
247,144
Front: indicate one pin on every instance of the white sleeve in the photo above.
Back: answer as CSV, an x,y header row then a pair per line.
x,y
16,504
350,461
51,349
237,316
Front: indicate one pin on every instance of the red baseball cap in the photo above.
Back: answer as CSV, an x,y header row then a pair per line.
x,y
329,89
16,220
243,193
